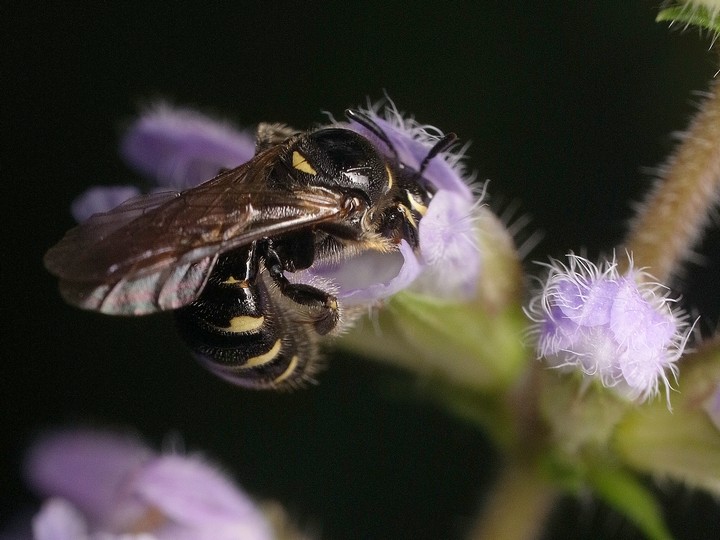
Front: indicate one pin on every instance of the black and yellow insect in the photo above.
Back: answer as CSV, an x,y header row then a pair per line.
x,y
217,254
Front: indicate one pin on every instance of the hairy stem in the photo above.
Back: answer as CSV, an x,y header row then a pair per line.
x,y
672,218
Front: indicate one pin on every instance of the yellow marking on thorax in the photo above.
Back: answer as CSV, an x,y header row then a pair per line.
x,y
245,323
289,371
301,163
391,179
264,358
418,206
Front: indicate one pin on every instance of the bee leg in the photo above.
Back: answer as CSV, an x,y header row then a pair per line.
x,y
323,306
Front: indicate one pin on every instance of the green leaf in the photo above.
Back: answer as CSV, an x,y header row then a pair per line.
x,y
580,419
453,342
703,15
621,489
684,444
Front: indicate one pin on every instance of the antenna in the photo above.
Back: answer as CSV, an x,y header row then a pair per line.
x,y
441,145
365,121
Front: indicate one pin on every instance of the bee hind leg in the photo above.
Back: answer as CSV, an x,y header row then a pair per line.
x,y
322,306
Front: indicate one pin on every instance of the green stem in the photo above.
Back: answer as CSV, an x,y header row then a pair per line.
x,y
517,507
675,213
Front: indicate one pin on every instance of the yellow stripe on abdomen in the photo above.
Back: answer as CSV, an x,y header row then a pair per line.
x,y
243,324
264,358
292,366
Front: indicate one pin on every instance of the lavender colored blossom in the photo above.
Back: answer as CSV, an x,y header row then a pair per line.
x,y
450,259
179,148
176,149
103,485
101,199
617,328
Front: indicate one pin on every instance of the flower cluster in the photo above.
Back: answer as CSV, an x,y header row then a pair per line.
x,y
102,485
614,324
617,328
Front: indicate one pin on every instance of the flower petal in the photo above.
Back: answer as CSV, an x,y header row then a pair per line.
x,y
586,305
59,520
85,467
637,322
181,148
448,243
194,494
367,277
101,199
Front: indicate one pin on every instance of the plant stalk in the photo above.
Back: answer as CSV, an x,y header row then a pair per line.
x,y
518,506
671,220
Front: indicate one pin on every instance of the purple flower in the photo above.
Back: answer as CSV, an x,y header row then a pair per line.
x,y
449,263
104,485
176,149
101,199
616,328
179,148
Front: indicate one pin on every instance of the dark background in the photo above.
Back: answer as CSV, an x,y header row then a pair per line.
x,y
565,105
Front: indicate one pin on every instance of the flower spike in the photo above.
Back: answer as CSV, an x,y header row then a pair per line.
x,y
618,328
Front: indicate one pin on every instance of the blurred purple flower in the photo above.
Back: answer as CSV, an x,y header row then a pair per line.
x,y
179,148
176,149
101,199
104,485
616,328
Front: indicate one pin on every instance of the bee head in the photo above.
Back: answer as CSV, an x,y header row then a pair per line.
x,y
396,196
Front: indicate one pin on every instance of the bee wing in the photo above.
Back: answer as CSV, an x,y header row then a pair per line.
x,y
166,289
155,252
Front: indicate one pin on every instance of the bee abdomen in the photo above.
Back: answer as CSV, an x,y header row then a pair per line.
x,y
237,332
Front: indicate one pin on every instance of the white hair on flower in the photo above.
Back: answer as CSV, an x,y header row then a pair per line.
x,y
426,134
618,328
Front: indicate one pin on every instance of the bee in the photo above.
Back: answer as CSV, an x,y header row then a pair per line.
x,y
218,254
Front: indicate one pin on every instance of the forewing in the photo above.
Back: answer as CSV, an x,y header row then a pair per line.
x,y
155,252
167,289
